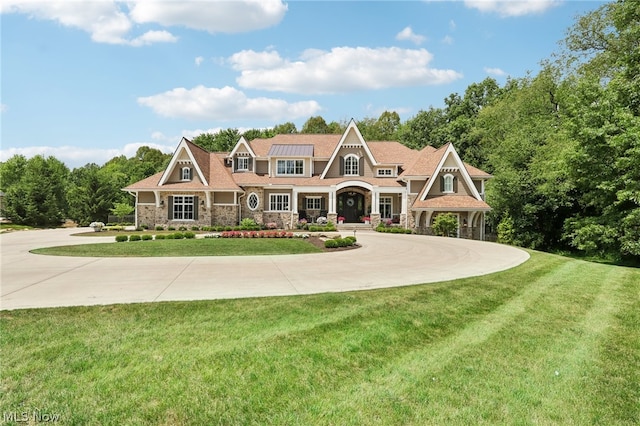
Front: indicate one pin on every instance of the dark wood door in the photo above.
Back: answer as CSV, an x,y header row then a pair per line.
x,y
351,206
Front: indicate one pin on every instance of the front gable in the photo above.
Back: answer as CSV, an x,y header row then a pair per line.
x,y
242,157
351,154
450,176
183,166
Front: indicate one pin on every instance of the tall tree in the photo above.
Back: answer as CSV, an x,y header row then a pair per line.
x,y
90,194
37,198
315,125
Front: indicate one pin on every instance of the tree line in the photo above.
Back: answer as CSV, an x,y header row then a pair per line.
x,y
563,145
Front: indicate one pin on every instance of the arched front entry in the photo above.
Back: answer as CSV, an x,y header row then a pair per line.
x,y
351,206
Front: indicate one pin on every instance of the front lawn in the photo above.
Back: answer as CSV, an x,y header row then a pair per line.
x,y
552,341
189,247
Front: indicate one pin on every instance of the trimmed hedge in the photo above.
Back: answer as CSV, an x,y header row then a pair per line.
x,y
122,238
135,237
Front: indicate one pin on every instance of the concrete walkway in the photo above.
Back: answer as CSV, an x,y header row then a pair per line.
x,y
384,260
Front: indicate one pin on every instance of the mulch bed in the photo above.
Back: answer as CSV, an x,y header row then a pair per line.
x,y
319,242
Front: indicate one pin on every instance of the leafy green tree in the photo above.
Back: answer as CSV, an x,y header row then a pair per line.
x,y
37,198
445,224
315,125
222,141
285,128
90,195
426,128
120,210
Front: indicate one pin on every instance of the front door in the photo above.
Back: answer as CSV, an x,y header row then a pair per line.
x,y
351,206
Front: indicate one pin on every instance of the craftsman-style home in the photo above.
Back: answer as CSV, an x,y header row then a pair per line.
x,y
340,178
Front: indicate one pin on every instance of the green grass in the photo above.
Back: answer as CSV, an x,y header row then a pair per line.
x,y
194,247
553,341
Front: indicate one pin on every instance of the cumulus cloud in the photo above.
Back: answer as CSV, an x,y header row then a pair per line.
x,y
74,156
112,21
508,8
495,71
408,34
223,104
198,60
343,69
214,16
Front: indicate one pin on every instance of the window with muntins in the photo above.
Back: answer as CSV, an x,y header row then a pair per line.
x,y
183,207
314,203
448,183
386,207
243,163
385,172
290,167
186,173
279,202
253,201
351,165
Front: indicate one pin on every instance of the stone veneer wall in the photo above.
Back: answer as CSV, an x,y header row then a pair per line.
x,y
224,215
281,219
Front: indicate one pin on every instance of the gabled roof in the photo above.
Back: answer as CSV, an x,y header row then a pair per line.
x,y
352,127
439,157
210,166
391,153
198,156
451,202
241,142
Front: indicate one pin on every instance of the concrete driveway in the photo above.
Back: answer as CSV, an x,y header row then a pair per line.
x,y
384,260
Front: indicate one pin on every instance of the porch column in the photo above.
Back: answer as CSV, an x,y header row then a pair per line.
x,y
375,201
294,202
208,199
332,201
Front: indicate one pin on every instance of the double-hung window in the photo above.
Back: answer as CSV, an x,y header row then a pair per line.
x,y
448,183
279,202
186,173
290,167
183,207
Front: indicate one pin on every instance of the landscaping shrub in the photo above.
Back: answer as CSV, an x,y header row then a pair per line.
x,y
352,240
160,237
144,226
135,237
171,228
331,244
178,235
147,237
159,228
248,224
189,235
169,236
122,238
195,228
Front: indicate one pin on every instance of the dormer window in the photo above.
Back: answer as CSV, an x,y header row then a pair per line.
x,y
351,163
447,184
186,173
243,163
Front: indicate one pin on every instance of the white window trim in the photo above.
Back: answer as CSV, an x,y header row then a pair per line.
x,y
244,160
186,171
306,203
193,204
390,209
385,172
288,202
253,194
448,177
294,167
349,172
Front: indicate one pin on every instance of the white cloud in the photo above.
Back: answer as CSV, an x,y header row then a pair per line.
x,y
223,104
199,60
112,21
507,8
343,69
408,34
495,71
74,156
447,40
213,16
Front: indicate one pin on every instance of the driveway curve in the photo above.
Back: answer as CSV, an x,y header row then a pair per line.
x,y
384,260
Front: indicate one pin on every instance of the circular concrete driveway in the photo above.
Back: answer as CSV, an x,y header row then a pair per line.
x,y
384,260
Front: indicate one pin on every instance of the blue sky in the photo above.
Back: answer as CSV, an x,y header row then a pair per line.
x,y
85,81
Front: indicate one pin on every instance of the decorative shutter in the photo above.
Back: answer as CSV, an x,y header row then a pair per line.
x,y
361,166
322,203
170,209
441,183
250,164
196,207
235,164
455,184
341,166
